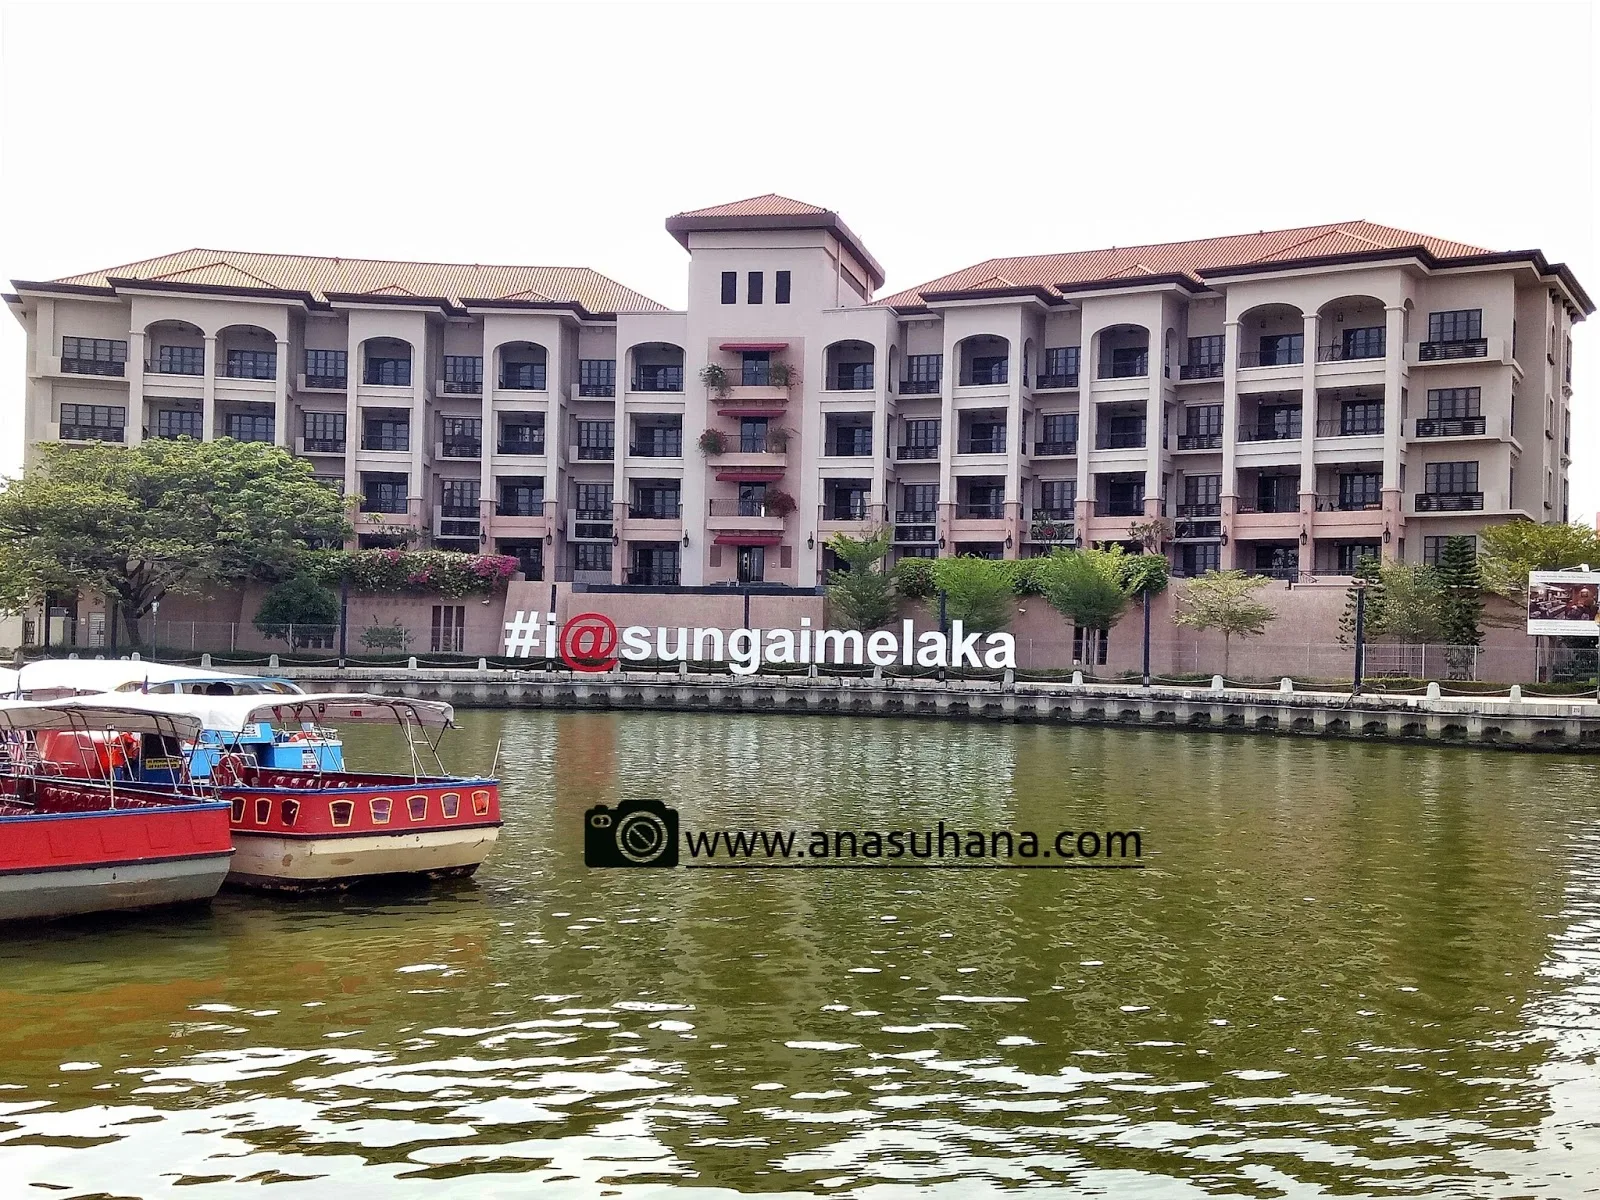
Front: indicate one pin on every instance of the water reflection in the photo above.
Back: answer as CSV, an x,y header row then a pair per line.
x,y
1349,968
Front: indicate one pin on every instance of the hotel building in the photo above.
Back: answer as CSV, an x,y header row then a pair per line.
x,y
1286,401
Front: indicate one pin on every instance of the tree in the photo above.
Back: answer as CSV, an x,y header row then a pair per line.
x,y
863,593
1413,604
977,591
1225,601
1367,574
1508,552
295,609
1089,587
134,523
1461,613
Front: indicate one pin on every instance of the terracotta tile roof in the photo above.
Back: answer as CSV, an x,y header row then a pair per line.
x,y
592,291
770,205
1190,259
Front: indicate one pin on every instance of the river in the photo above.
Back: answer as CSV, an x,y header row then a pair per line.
x,y
1344,969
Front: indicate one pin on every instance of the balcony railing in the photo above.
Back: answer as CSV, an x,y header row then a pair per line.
x,y
1055,449
1211,509
658,577
1271,358
463,387
1052,514
918,387
1200,441
658,511
848,449
595,453
458,510
917,517
1440,351
462,447
988,445
1204,370
987,376
521,446
1269,433
322,445
1046,382
329,382
987,511
658,379
664,449
1451,426
745,508
1119,439
175,366
382,442
521,508
522,377
92,433
1335,502
91,366
1119,508
597,389
1348,353
914,452
1135,369
1339,427
1449,501
1268,504
1051,529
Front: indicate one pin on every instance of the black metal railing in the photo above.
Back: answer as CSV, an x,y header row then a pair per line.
x,y
520,508
915,533
755,374
458,510
597,389
595,453
846,379
521,446
1449,501
462,447
1199,441
657,511
658,379
330,382
1205,370
1119,508
1046,382
744,507
176,366
1451,426
1339,427
1055,449
911,452
522,377
92,433
387,508
1348,353
1134,369
91,366
987,376
323,445
1269,433
1052,514
390,442
918,387
918,517
1119,439
658,577
1211,509
1347,502
1271,358
1440,351
981,512
988,445
662,449
592,515
1268,504
463,387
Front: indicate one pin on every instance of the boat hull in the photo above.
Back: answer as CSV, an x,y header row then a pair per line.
x,y
40,895
316,863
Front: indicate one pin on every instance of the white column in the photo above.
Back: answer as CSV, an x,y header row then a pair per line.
x,y
352,411
1394,351
1308,419
1014,434
421,434
135,368
490,438
1230,429
208,394
949,431
280,397
1086,434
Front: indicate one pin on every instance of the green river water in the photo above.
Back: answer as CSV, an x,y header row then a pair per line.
x,y
1347,969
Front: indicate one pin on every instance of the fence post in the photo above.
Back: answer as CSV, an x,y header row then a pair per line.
x,y
233,637
1424,674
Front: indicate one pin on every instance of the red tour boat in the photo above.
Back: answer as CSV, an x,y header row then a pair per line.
x,y
314,828
92,844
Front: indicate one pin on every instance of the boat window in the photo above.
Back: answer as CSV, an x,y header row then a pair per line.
x,y
381,807
289,810
450,802
480,803
238,809
341,811
418,806
263,810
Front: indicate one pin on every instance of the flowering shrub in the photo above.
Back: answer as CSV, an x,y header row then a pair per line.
x,y
416,572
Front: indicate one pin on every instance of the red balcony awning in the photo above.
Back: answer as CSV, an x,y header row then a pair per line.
x,y
736,346
752,410
750,474
748,539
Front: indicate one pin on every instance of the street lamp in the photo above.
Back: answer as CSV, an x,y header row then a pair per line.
x,y
155,611
1361,634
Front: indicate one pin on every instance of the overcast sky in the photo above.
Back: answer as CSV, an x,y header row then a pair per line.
x,y
944,134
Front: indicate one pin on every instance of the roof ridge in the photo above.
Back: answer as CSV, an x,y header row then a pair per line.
x,y
220,262
347,258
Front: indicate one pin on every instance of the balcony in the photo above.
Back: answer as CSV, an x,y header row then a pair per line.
x,y
391,442
916,526
1200,441
167,364
919,387
989,375
658,379
1339,427
1449,501
986,445
307,445
92,433
656,449
522,377
1349,353
907,453
1278,505
593,453
520,508
747,508
1270,433
461,387
459,447
1347,502
250,366
1128,368
845,509
92,366
523,446
991,510
657,511
589,525
1205,370
1191,511
1047,383
1282,357
327,383
456,521
656,577
1119,508
1119,439
1052,527
1443,351
846,449
1055,449
1450,427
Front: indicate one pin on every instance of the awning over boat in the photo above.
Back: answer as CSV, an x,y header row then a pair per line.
x,y
235,714
53,716
81,676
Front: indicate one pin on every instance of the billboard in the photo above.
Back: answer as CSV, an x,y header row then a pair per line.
x,y
1564,603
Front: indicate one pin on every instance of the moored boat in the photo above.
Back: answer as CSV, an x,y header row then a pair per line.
x,y
93,844
307,827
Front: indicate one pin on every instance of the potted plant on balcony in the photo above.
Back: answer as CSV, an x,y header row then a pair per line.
x,y
716,379
779,503
713,442
782,374
777,439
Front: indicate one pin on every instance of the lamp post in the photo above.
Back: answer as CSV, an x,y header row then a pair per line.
x,y
1147,637
155,612
1361,634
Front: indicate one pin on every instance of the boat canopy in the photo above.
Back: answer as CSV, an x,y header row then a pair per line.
x,y
56,716
78,676
237,714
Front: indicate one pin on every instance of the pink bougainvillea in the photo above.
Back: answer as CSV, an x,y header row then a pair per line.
x,y
417,572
